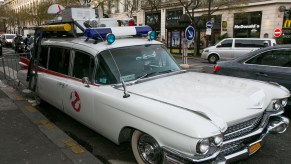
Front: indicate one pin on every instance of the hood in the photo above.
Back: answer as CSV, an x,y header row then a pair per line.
x,y
9,40
208,48
223,99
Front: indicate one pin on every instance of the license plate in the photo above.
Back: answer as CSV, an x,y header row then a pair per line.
x,y
253,148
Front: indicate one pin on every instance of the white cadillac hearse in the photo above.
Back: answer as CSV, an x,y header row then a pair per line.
x,y
131,89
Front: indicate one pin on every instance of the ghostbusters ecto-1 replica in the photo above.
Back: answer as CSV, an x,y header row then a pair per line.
x,y
126,86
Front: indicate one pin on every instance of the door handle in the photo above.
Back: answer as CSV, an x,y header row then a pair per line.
x,y
261,74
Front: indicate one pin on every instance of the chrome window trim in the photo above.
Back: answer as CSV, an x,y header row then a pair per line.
x,y
245,60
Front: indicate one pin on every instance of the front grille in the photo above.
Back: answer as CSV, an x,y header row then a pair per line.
x,y
241,128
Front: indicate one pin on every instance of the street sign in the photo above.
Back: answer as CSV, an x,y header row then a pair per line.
x,y
190,33
277,32
208,31
209,24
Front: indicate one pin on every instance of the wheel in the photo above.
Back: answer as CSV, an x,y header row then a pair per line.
x,y
212,58
146,149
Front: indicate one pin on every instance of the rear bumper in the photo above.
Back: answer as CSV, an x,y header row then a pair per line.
x,y
275,124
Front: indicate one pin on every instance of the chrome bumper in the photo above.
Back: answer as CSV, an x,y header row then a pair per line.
x,y
275,125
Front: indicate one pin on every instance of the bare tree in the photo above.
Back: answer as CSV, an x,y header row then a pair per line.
x,y
154,6
131,6
210,7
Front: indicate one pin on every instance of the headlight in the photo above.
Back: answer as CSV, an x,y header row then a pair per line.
x,y
276,104
206,50
218,140
284,102
203,146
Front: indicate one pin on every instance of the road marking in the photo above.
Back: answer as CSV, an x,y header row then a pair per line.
x,y
47,124
30,109
74,146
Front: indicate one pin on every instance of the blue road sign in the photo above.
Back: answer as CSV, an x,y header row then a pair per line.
x,y
190,33
209,24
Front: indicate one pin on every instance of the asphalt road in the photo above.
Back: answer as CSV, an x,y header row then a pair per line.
x,y
276,149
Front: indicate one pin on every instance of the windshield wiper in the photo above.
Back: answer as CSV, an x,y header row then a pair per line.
x,y
144,76
167,71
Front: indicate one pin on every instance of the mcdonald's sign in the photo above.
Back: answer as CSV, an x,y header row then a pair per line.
x,y
287,23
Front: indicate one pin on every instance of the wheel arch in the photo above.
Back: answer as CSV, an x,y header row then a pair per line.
x,y
125,134
214,53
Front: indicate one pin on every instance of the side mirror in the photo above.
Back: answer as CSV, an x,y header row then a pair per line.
x,y
85,81
218,45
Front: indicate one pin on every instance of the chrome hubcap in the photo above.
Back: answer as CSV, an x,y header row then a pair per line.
x,y
149,149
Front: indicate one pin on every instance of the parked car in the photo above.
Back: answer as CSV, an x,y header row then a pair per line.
x,y
6,39
272,64
130,89
230,48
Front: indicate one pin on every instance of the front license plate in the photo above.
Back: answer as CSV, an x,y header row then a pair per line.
x,y
253,148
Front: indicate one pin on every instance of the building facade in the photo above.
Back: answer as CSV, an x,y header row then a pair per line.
x,y
256,19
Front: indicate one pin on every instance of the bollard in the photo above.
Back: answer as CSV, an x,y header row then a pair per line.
x,y
184,54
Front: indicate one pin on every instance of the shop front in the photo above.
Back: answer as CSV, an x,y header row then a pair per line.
x,y
247,25
286,30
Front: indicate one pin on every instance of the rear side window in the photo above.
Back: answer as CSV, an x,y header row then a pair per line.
x,y
280,58
251,43
226,43
83,65
59,60
43,56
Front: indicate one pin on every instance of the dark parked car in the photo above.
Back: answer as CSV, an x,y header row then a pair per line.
x,y
272,64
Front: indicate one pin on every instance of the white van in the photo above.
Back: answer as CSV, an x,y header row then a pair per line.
x,y
230,48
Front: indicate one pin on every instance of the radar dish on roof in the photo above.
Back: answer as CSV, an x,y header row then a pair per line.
x,y
55,9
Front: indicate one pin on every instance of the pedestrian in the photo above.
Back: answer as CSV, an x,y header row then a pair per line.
x,y
18,41
266,44
28,40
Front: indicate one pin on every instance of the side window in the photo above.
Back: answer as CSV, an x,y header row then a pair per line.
x,y
244,43
226,43
273,58
43,56
59,60
83,65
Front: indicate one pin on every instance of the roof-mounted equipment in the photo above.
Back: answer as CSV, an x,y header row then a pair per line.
x,y
101,32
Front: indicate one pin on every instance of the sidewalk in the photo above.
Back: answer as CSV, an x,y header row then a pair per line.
x,y
196,64
27,137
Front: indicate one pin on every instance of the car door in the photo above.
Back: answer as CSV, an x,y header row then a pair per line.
x,y
78,97
224,49
51,82
273,65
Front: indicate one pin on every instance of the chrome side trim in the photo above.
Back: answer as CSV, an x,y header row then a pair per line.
x,y
187,157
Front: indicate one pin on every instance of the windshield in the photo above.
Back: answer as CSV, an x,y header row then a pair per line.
x,y
10,36
133,63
